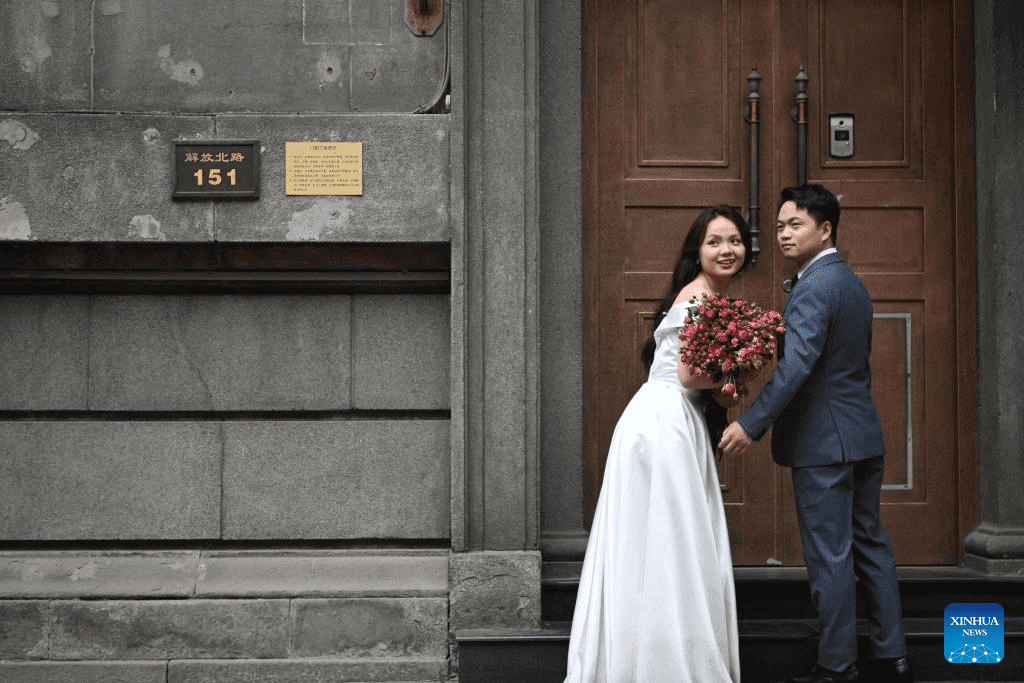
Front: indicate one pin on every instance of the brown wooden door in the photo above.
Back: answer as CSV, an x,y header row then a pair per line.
x,y
665,136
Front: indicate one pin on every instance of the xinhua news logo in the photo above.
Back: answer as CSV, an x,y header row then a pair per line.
x,y
974,633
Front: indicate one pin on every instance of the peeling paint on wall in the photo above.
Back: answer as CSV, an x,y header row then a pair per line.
x,y
187,71
329,67
151,136
147,227
326,215
18,134
13,221
30,33
34,51
110,7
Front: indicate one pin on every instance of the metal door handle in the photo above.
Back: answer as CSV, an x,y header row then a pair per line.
x,y
800,116
753,118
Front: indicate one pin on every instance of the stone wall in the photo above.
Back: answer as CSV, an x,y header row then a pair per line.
x,y
197,464
221,472
108,177
93,96
223,616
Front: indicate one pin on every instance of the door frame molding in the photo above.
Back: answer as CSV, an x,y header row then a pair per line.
x,y
966,236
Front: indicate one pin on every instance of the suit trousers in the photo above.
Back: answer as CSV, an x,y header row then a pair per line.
x,y
843,540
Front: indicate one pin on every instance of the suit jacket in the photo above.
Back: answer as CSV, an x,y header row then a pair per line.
x,y
818,400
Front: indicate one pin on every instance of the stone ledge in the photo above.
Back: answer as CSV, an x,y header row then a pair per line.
x,y
994,567
366,670
223,574
349,574
83,672
41,575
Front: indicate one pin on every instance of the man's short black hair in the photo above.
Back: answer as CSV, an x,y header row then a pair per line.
x,y
821,204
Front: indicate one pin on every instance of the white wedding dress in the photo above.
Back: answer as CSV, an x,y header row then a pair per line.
x,y
656,602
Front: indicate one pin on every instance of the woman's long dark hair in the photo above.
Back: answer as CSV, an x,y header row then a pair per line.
x,y
686,270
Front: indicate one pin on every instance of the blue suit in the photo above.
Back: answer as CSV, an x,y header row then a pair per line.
x,y
825,427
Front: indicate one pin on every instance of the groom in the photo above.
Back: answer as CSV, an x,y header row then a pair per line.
x,y
826,428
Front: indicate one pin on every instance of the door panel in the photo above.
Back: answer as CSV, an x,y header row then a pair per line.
x,y
667,34
870,48
665,137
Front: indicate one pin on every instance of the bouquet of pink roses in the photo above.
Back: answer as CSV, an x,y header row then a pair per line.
x,y
728,336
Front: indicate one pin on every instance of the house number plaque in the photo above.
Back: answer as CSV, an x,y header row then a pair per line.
x,y
216,169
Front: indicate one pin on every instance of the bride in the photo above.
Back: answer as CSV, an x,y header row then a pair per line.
x,y
656,601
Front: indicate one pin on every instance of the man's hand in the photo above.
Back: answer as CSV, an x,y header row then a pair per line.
x,y
735,440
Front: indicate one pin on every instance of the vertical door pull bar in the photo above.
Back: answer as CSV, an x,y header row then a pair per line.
x,y
753,118
800,116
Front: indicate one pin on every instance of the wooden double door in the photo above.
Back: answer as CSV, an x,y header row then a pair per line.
x,y
666,133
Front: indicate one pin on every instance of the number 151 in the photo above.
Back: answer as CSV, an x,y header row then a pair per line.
x,y
213,177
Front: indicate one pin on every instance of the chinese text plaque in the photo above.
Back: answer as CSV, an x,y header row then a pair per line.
x,y
323,168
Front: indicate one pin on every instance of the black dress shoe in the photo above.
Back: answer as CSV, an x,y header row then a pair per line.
x,y
890,670
820,674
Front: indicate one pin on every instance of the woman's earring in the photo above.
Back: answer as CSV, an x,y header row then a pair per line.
x,y
698,263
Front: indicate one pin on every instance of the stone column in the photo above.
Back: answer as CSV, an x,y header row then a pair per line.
x,y
996,546
495,566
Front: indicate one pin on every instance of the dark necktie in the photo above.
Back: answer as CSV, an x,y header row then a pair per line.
x,y
788,285
780,349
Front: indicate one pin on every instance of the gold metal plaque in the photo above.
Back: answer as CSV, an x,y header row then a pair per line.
x,y
323,168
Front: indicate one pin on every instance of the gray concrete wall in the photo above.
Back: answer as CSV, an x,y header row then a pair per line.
x,y
93,96
80,478
223,353
301,56
290,419
108,177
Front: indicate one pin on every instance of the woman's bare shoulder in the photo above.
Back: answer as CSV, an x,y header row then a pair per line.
x,y
692,292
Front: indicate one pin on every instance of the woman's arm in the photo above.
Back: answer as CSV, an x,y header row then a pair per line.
x,y
691,381
686,376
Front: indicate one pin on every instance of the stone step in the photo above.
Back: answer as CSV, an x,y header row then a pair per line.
x,y
232,605
770,651
228,629
367,670
771,592
308,670
777,626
